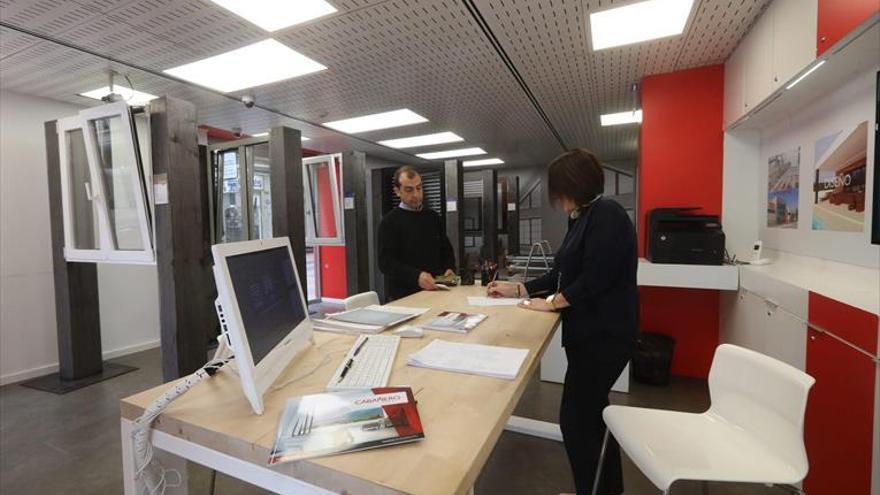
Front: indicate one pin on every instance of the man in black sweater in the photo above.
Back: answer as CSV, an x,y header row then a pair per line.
x,y
412,246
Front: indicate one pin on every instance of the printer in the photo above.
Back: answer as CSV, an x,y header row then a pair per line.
x,y
677,235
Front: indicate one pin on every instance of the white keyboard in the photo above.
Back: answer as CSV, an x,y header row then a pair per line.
x,y
367,364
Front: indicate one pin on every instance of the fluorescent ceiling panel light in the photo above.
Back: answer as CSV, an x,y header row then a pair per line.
x,y
807,73
639,22
487,161
427,139
438,155
384,120
621,118
273,15
263,134
130,96
262,63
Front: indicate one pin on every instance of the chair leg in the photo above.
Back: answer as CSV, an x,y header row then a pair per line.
x,y
601,462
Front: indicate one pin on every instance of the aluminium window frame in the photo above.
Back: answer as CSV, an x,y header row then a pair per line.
x,y
335,170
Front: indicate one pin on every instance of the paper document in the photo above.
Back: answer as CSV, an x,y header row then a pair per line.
x,y
475,359
493,301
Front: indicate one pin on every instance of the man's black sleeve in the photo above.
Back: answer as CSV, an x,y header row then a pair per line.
x,y
389,257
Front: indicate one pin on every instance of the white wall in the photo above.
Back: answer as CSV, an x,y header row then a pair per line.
x,y
845,107
740,202
128,294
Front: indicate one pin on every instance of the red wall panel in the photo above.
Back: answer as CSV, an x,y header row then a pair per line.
x,y
680,164
333,272
840,412
836,18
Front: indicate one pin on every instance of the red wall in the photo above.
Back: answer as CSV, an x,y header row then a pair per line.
x,y
333,283
680,164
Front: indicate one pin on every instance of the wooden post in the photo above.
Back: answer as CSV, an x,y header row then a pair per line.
x,y
354,208
454,195
76,286
288,205
183,261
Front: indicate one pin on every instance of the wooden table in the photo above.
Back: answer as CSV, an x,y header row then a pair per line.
x,y
463,415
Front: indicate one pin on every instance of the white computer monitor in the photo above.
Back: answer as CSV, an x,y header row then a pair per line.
x,y
262,311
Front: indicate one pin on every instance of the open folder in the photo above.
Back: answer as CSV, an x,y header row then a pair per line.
x,y
475,359
370,319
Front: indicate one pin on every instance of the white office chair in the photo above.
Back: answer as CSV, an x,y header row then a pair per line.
x,y
752,432
360,300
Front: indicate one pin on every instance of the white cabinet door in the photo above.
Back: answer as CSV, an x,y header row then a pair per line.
x,y
758,52
734,87
794,35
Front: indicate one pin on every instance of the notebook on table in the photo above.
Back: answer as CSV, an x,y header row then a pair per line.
x,y
454,321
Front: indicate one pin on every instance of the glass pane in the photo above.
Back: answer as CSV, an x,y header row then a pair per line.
x,y
626,184
312,272
85,235
230,205
610,182
117,165
323,217
261,200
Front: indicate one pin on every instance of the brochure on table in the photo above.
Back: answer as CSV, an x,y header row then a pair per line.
x,y
334,423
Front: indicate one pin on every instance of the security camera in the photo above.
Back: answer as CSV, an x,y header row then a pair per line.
x,y
248,101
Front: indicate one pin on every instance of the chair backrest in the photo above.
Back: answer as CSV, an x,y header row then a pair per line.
x,y
763,396
360,300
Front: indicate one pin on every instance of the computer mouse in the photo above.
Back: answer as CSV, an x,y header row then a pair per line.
x,y
409,331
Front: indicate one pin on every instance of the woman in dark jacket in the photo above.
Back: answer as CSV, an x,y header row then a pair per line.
x,y
593,285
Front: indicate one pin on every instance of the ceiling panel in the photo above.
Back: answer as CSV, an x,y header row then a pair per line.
x,y
430,56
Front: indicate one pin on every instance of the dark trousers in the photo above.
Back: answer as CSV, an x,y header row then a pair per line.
x,y
593,367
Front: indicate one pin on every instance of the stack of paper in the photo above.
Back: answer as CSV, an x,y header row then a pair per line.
x,y
474,359
370,319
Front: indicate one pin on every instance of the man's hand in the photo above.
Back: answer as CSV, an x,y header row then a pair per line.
x,y
426,281
449,273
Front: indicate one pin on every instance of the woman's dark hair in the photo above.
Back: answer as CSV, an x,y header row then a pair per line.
x,y
576,175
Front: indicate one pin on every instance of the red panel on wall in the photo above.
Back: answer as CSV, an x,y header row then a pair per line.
x,y
840,413
690,316
680,164
836,18
333,272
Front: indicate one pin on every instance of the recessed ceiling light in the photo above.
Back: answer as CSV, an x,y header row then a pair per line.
x,y
437,155
262,63
130,96
273,15
384,120
631,117
639,22
427,139
263,134
487,161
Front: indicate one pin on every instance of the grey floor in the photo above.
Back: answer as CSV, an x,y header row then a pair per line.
x,y
70,443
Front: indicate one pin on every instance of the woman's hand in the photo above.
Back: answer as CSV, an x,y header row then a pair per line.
x,y
537,304
506,289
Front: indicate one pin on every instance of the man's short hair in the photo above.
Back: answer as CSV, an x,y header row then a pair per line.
x,y
408,170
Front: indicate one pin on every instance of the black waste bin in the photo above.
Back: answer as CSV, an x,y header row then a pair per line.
x,y
653,358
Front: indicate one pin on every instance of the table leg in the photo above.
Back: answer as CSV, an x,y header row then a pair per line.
x,y
130,483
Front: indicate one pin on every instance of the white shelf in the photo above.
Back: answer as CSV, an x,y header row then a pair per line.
x,y
721,277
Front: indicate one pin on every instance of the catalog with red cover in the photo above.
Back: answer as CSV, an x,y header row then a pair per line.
x,y
333,423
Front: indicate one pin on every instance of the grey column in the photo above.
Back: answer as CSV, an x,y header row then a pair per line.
x,y
183,261
288,205
357,250
512,216
490,214
454,193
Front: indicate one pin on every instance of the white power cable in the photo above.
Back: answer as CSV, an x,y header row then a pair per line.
x,y
147,468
